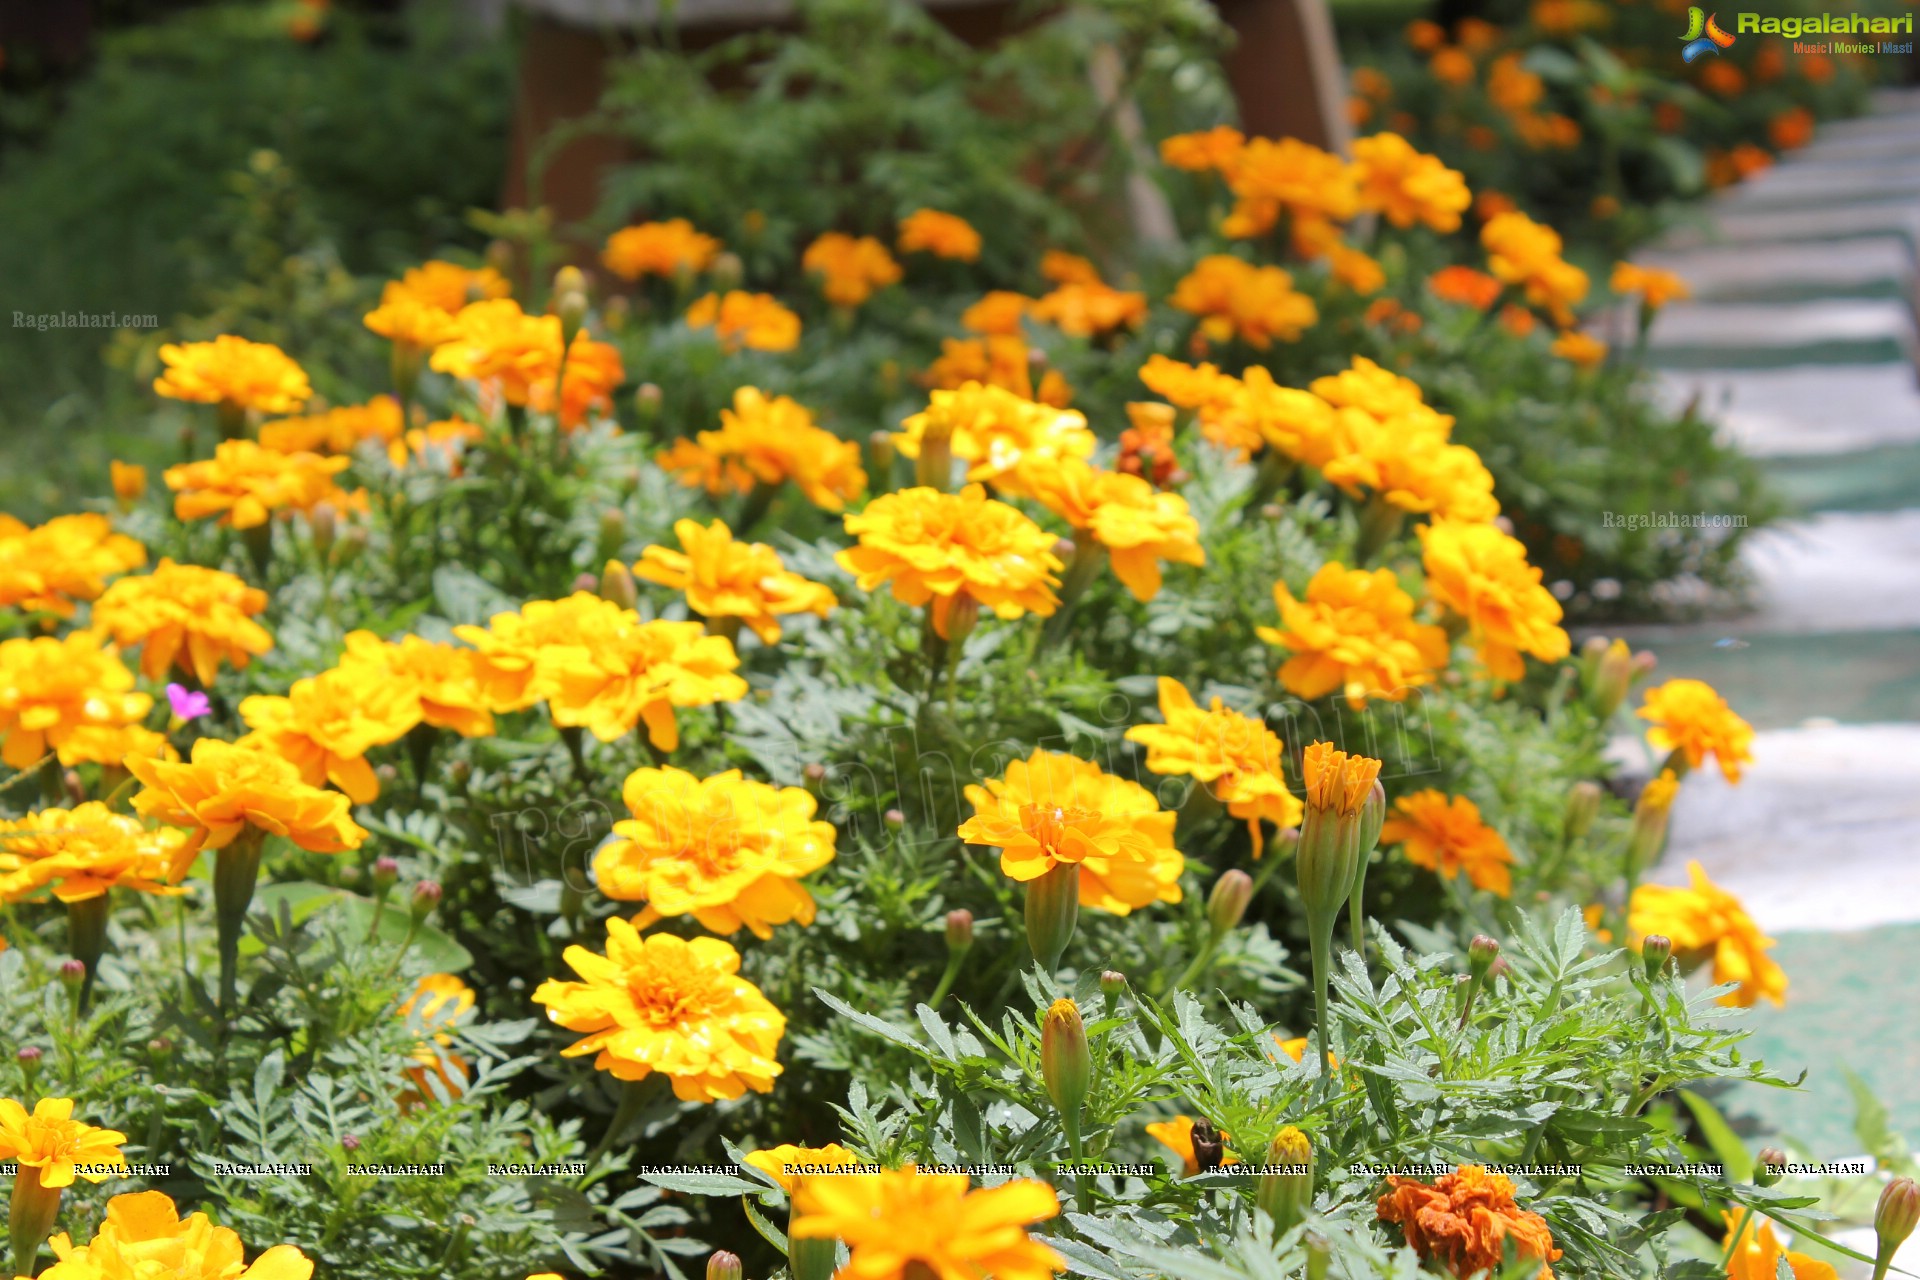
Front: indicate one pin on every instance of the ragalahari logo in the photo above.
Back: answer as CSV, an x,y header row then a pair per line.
x,y
1712,41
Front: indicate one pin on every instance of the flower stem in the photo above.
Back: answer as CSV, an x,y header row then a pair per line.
x,y
947,978
236,869
87,938
634,1097
30,1217
1320,936
1082,1189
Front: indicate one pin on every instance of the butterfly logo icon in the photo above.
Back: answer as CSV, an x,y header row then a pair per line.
x,y
1703,34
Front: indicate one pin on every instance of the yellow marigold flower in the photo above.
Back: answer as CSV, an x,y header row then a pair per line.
x,y
1580,349
998,312
54,1145
998,360
1337,781
1391,442
1656,287
1408,186
945,235
244,483
1269,177
1088,308
87,850
941,547
1176,1135
659,249
1758,1254
1448,836
723,578
1054,808
337,430
1235,298
995,432
1354,633
1521,252
129,481
327,723
1356,270
594,371
1235,757
233,371
445,682
726,850
439,1001
1704,917
1689,717
52,690
46,568
450,286
756,321
518,356
1482,575
1137,524
1214,148
410,320
671,1005
515,653
1296,1048
782,1163
1061,267
850,268
1199,387
114,744
769,440
145,1238
226,788
182,613
440,444
900,1223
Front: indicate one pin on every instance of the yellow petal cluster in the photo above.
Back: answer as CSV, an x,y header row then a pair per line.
x,y
1408,186
944,235
418,309
439,1001
518,356
941,547
1655,287
337,430
994,431
1088,308
1690,717
1246,415
723,578
1447,835
1269,178
84,851
1209,150
59,1148
233,371
769,440
850,268
1354,633
186,615
47,567
1138,525
1000,312
145,1238
226,788
1482,575
726,850
1054,808
902,1224
442,681
1391,443
666,249
1523,253
755,321
1000,360
1235,757
326,724
669,1005
1703,918
1758,1253
786,1164
1337,781
1235,298
244,483
67,695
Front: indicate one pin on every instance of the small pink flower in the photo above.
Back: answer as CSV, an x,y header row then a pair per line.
x,y
186,703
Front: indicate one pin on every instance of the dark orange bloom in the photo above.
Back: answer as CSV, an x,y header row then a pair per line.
x,y
1464,1219
1791,128
1476,289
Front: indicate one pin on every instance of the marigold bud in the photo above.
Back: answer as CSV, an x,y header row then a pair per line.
x,y
894,819
348,548
727,272
1113,983
1053,910
1066,1064
500,255
70,783
1770,1167
1285,1188
426,896
1227,904
1481,953
160,1047
73,972
323,523
1499,971
959,931
29,1055
613,534
723,1266
1340,787
1583,806
814,774
349,1143
647,399
385,872
1654,950
1209,1148
1319,1256
1894,1218
617,585
1651,812
586,582
1612,673
880,455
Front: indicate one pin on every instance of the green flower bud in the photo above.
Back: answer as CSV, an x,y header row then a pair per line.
x,y
1227,904
1894,1218
617,585
723,1266
1770,1167
959,931
1112,984
1654,950
1319,1256
1583,806
425,897
1481,953
1285,1188
1066,1063
1053,910
1612,674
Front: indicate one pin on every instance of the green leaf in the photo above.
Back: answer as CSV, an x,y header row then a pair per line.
x,y
879,1026
306,899
1721,1138
703,1184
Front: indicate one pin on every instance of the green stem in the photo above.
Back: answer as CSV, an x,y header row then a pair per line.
x,y
1740,1228
1320,936
1200,962
87,939
1356,915
236,869
1082,1189
634,1097
946,982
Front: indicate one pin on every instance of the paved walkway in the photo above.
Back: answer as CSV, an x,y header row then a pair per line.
x,y
1802,341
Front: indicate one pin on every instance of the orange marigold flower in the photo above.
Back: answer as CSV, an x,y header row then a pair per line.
x,y
1517,320
1482,575
1656,287
1465,1219
1689,717
1489,205
995,432
1062,267
327,723
1476,35
54,693
438,1002
945,235
1408,186
726,579
1354,633
726,850
1086,309
232,371
1580,349
1748,160
902,1222
593,372
1235,298
1371,82
779,1162
659,249
518,356
1198,387
1790,129
184,614
1758,1254
677,1006
998,312
129,481
1513,88
1210,149
850,268
44,569
1054,808
1235,757
1390,442
1448,836
226,788
998,360
946,547
1424,36
244,483
439,444
1358,271
1704,919
1268,178
337,430
1146,447
755,321
84,851
409,320
1475,289
769,440
1137,525
144,1235
448,286
1722,78
445,682
1452,66
55,1146
1522,252
1337,781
